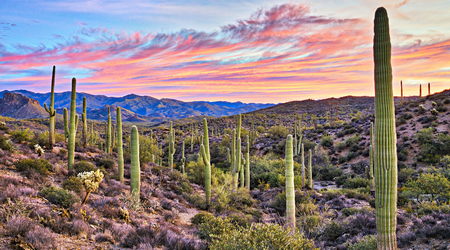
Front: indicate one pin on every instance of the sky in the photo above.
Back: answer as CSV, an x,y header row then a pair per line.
x,y
220,50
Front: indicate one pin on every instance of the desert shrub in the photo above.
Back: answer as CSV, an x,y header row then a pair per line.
x,y
106,163
432,145
262,236
18,225
148,147
357,182
73,184
182,184
266,170
425,208
368,242
240,199
405,174
434,184
58,196
42,138
301,198
195,172
5,143
83,166
215,228
202,217
22,135
328,173
30,166
41,238
278,131
327,141
332,231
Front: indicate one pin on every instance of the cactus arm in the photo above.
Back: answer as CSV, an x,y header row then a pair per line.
x,y
385,153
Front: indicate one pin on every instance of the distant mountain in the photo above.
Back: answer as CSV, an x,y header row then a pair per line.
x,y
144,108
19,106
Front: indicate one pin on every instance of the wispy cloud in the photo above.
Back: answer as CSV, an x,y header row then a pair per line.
x,y
277,54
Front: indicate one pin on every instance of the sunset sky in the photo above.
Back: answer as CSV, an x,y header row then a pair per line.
x,y
250,51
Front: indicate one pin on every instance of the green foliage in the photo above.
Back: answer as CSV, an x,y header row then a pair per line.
x,y
270,170
278,131
83,166
24,135
148,147
356,182
73,184
58,196
432,145
30,166
261,236
426,208
328,173
332,231
368,242
302,203
6,144
435,184
215,228
327,141
202,217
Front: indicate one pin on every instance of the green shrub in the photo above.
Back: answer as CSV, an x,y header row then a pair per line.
x,y
30,166
368,242
261,236
332,231
202,217
215,228
73,184
58,196
22,135
83,166
5,144
328,173
279,202
278,131
432,145
105,163
327,141
426,208
240,199
434,184
357,182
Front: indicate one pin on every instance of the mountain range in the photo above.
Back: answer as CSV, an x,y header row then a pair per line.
x,y
135,107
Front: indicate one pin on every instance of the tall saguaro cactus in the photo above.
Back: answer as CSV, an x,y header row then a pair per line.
x,y
66,123
119,144
206,157
183,158
420,90
429,88
51,112
72,125
385,152
290,188
303,165
310,182
171,145
108,132
135,168
247,164
84,132
371,160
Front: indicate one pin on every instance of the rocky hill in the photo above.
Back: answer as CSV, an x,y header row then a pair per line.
x,y
145,107
19,106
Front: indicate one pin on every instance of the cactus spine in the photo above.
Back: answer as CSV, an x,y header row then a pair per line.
x,y
51,112
85,126
72,125
310,179
247,165
183,159
119,144
66,123
135,168
385,152
206,157
171,145
290,189
303,165
108,132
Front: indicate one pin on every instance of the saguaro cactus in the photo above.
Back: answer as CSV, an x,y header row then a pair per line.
x,y
290,188
310,182
206,157
119,144
66,123
303,165
371,160
135,168
171,145
401,91
429,88
85,126
72,125
183,158
108,133
51,112
385,152
247,164
233,160
420,90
